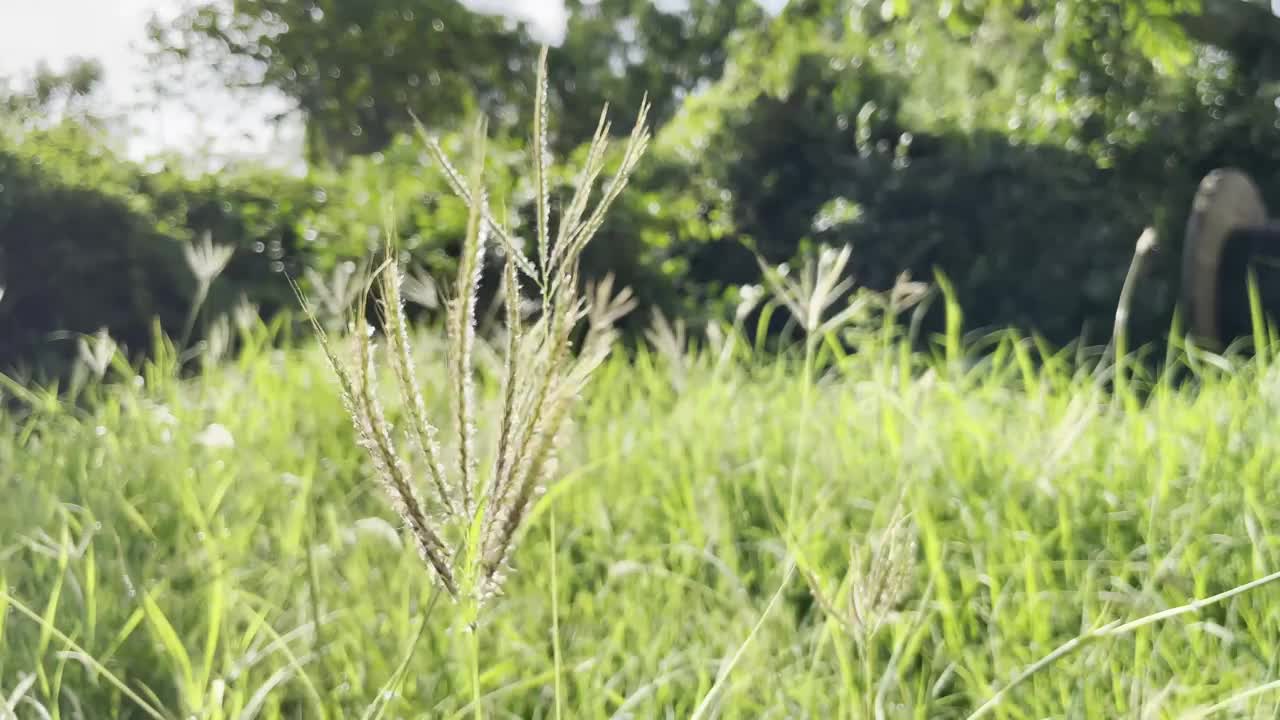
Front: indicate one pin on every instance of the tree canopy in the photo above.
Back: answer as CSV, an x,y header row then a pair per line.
x,y
357,70
1018,146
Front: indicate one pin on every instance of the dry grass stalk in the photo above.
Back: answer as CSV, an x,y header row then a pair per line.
x,y
97,352
420,289
206,262
864,599
337,293
466,526
672,343
245,315
820,285
871,588
1146,245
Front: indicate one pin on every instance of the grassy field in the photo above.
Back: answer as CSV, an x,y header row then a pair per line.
x,y
806,532
214,547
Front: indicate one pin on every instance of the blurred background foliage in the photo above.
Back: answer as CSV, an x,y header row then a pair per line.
x,y
1019,146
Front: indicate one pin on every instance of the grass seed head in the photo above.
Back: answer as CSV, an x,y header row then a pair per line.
x,y
97,352
206,260
468,530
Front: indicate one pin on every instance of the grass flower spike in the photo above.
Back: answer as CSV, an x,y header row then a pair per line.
x,y
465,513
206,260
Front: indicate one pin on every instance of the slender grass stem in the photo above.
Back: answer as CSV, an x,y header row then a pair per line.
x,y
806,403
1114,629
98,667
473,644
197,304
555,618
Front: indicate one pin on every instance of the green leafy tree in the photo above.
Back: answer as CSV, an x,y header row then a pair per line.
x,y
619,51
357,69
1019,146
50,94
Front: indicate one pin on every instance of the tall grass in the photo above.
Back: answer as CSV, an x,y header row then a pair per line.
x,y
255,572
465,522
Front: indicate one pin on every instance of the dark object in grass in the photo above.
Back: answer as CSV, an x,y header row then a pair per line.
x,y
1250,248
1228,231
